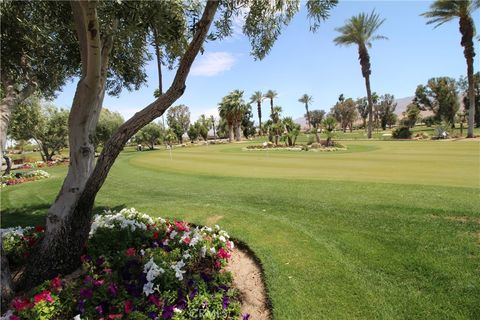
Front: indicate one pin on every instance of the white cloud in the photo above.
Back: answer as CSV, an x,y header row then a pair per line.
x,y
213,63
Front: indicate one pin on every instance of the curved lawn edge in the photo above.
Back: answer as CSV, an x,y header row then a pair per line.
x,y
255,268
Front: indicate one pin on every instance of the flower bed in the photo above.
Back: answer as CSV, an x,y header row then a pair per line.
x,y
299,147
21,177
134,267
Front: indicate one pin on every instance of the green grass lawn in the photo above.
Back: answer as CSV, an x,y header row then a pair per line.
x,y
369,233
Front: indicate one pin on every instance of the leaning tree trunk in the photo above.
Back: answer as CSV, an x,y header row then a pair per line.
x,y
467,31
69,218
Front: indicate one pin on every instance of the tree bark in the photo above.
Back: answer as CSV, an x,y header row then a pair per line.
x,y
6,280
230,133
467,31
308,117
259,110
364,59
69,218
238,134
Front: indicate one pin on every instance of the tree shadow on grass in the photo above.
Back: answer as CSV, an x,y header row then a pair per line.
x,y
35,215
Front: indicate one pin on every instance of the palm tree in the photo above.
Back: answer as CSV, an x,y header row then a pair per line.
x,y
258,98
442,11
232,108
306,99
271,94
360,30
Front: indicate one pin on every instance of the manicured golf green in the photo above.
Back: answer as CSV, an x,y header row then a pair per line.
x,y
385,230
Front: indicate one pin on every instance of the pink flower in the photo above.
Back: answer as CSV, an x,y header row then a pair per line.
x,y
20,304
43,296
107,271
98,283
56,283
131,252
224,254
128,306
187,240
14,317
181,226
115,316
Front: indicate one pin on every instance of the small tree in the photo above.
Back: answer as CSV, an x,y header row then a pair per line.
x,y
292,130
345,112
329,124
203,125
248,126
45,124
440,96
150,135
192,132
178,119
386,109
107,124
411,115
316,117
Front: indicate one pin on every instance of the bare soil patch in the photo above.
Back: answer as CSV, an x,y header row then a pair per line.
x,y
247,278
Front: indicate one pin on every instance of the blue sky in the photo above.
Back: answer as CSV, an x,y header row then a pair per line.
x,y
304,62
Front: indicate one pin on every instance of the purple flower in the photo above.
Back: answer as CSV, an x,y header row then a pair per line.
x,y
87,279
81,306
86,293
99,309
245,316
225,302
206,277
167,312
193,293
152,315
113,289
100,260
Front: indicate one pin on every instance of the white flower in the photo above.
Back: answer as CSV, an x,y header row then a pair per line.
x,y
142,252
77,317
173,234
186,255
177,310
222,238
7,315
178,269
148,288
212,250
203,251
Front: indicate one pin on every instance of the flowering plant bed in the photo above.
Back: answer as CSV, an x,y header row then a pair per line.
x,y
299,147
134,267
21,177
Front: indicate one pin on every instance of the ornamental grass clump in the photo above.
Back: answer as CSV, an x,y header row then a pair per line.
x,y
138,267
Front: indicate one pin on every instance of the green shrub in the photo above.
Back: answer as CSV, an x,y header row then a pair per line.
x,y
401,133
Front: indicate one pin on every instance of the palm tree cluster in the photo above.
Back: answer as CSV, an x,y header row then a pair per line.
x,y
232,108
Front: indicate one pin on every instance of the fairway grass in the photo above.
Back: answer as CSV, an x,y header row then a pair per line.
x,y
369,233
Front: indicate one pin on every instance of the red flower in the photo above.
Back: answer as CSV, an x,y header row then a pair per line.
x,y
187,240
128,306
131,252
20,304
115,316
14,317
56,283
43,296
155,235
181,226
224,254
217,264
39,228
155,300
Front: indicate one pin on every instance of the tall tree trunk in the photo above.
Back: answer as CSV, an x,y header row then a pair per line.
x,y
467,31
308,117
69,218
364,59
6,280
7,105
238,133
317,135
259,110
230,133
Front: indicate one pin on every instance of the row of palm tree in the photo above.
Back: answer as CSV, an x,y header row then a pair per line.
x,y
361,30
